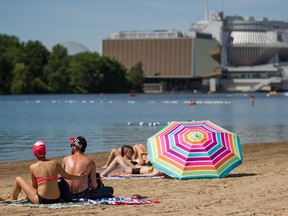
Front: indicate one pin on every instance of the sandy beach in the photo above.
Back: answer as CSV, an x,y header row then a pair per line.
x,y
257,187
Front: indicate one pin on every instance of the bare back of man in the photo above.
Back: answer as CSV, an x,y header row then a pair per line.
x,y
78,162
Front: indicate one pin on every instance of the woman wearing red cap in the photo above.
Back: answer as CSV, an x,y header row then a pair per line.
x,y
44,176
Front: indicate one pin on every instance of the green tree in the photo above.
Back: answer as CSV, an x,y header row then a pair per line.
x,y
91,73
6,67
56,70
10,54
136,78
113,76
84,72
31,68
19,79
35,58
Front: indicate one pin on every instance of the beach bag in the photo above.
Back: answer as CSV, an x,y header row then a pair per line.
x,y
99,181
102,192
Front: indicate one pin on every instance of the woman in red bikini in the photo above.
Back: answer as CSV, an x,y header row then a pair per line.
x,y
44,176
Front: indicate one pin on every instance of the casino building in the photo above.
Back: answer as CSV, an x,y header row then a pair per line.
x,y
220,53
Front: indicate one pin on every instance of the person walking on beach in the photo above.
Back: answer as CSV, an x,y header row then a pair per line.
x,y
44,176
79,162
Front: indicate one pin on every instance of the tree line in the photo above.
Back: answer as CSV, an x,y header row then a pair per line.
x,y
30,68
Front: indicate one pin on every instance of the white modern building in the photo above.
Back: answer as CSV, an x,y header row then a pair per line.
x,y
231,53
253,52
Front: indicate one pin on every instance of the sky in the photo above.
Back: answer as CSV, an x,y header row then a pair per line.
x,y
88,22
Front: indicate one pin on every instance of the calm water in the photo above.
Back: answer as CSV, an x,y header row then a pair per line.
x,y
103,120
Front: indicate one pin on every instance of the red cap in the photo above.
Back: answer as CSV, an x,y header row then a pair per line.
x,y
71,140
80,142
39,149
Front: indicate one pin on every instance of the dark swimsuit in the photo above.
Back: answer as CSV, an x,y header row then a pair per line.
x,y
83,194
42,200
136,170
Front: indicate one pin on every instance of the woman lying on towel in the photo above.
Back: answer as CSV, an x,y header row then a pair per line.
x,y
140,155
44,176
129,166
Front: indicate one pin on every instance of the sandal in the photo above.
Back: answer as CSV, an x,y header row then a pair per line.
x,y
138,196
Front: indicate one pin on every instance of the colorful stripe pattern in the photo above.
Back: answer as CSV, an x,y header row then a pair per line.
x,y
194,149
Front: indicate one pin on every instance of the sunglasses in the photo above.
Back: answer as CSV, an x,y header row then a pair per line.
x,y
129,151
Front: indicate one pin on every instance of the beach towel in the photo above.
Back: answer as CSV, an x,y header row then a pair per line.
x,y
116,201
25,203
80,202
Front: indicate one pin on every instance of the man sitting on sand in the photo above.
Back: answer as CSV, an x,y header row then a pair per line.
x,y
128,166
44,177
78,162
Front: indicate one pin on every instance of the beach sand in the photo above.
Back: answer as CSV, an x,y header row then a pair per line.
x,y
257,187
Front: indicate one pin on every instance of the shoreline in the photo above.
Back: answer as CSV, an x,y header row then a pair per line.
x,y
257,187
104,153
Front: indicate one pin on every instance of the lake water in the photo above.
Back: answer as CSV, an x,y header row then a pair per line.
x,y
111,120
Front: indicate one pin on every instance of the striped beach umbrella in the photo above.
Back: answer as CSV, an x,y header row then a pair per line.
x,y
194,149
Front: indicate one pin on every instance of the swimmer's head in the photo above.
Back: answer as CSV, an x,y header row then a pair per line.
x,y
39,149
